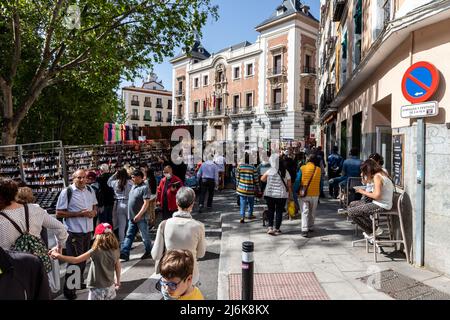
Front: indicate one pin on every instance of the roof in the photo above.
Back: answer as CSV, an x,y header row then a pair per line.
x,y
198,51
290,7
236,46
150,91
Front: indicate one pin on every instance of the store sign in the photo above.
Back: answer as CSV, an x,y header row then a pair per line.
x,y
420,110
420,82
313,131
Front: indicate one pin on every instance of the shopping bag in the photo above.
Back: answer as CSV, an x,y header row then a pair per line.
x,y
54,279
291,208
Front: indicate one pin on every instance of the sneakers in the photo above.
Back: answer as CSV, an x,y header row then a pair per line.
x,y
146,255
304,234
270,231
342,212
242,220
277,232
124,257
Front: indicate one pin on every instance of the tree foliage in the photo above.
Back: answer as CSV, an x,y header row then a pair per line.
x,y
88,42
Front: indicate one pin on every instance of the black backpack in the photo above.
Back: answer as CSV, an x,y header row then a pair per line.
x,y
70,191
29,243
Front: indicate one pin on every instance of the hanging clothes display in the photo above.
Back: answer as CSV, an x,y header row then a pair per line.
x,y
118,136
123,133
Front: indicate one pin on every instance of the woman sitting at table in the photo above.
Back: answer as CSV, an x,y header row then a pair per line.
x,y
381,195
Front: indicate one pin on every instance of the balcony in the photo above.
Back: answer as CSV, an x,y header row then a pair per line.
x,y
309,107
179,93
169,119
330,91
159,106
217,113
308,71
277,74
149,118
239,112
134,117
339,6
148,104
275,108
135,102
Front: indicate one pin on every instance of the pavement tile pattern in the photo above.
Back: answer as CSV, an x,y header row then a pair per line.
x,y
280,286
401,287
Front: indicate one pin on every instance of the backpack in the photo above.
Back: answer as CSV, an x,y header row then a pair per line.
x,y
29,243
70,191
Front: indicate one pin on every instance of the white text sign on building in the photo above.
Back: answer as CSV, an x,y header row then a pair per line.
x,y
420,110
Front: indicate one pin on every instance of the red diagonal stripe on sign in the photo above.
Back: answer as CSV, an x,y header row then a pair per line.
x,y
420,84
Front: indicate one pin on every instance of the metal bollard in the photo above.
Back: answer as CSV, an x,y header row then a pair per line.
x,y
247,270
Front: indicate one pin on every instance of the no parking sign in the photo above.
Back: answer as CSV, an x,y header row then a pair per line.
x,y
420,82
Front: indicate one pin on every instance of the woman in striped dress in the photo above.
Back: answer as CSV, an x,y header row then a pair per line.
x,y
247,185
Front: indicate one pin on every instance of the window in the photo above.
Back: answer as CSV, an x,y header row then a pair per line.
x,y
196,107
220,76
169,117
147,102
147,116
159,103
277,64
277,96
135,112
236,72
205,80
180,87
196,81
308,61
154,87
249,100
169,104
236,101
135,101
158,116
249,70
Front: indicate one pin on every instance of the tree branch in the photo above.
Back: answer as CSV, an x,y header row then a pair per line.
x,y
17,46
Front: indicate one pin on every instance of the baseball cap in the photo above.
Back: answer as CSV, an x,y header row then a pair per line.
x,y
103,228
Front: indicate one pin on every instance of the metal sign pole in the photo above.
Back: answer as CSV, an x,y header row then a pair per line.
x,y
420,198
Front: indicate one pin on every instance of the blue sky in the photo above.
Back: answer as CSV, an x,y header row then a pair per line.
x,y
236,23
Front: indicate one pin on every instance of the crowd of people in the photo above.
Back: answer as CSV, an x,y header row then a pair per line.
x,y
99,216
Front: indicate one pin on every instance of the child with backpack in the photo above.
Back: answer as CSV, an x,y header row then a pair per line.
x,y
104,256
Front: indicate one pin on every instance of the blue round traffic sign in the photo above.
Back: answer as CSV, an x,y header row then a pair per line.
x,y
420,82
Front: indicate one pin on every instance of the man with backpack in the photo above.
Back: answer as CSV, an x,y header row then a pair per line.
x,y
77,205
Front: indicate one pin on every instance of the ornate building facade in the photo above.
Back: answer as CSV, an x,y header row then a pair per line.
x,y
266,88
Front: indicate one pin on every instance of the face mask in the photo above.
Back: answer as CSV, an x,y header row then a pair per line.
x,y
167,175
167,295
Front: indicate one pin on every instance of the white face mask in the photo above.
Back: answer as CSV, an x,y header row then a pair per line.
x,y
167,175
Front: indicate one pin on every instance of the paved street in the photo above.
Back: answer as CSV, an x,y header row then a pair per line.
x,y
326,265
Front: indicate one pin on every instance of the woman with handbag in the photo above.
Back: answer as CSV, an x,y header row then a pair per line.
x,y
276,193
309,192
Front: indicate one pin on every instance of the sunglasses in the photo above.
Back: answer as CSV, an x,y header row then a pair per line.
x,y
171,285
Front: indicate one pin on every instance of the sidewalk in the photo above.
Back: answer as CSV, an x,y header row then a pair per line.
x,y
324,266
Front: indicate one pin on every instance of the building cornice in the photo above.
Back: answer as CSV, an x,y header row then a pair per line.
x,y
227,60
141,90
396,32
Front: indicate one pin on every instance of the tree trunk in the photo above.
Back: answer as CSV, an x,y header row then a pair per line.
x,y
9,133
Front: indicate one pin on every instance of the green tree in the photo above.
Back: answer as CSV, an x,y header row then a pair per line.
x,y
70,113
92,43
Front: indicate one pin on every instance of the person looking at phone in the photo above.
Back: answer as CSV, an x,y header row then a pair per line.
x,y
167,191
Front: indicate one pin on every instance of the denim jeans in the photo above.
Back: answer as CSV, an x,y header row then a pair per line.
x,y
133,228
244,201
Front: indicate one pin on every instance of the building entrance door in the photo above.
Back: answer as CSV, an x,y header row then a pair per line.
x,y
384,145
